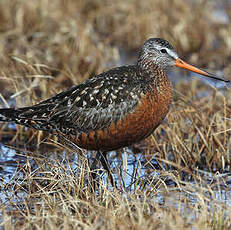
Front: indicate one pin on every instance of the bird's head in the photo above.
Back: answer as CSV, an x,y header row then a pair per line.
x,y
157,52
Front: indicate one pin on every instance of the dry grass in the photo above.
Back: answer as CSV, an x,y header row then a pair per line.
x,y
47,46
57,195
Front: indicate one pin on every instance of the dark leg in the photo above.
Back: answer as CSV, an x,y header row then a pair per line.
x,y
102,157
93,168
104,162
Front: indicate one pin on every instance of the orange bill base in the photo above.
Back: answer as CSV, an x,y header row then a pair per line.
x,y
180,63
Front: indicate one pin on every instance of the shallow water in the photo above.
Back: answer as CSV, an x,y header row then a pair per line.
x,y
134,173
132,168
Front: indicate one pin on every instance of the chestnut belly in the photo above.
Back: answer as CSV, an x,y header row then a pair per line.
x,y
132,128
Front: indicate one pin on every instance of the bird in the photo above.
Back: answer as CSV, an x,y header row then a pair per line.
x,y
114,109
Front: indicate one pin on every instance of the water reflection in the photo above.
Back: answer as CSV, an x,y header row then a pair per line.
x,y
10,160
133,171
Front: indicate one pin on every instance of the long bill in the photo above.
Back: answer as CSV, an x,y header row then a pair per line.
x,y
180,63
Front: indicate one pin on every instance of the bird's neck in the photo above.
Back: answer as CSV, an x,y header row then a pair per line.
x,y
156,75
151,68
146,63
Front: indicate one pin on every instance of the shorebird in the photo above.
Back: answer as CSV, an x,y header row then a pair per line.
x,y
114,109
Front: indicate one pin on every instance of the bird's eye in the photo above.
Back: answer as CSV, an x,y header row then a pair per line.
x,y
163,51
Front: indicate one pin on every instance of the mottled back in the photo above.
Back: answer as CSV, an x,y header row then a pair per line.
x,y
92,105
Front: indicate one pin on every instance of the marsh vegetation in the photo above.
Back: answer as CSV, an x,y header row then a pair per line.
x,y
178,178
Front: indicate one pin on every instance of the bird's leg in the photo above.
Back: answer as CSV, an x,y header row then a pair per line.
x,y
104,162
93,168
102,157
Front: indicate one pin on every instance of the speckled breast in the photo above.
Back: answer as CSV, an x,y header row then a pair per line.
x,y
133,127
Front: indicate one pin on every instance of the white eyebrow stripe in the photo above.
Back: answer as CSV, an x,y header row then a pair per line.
x,y
172,53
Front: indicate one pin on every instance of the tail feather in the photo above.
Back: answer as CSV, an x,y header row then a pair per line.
x,y
8,115
27,116
39,116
